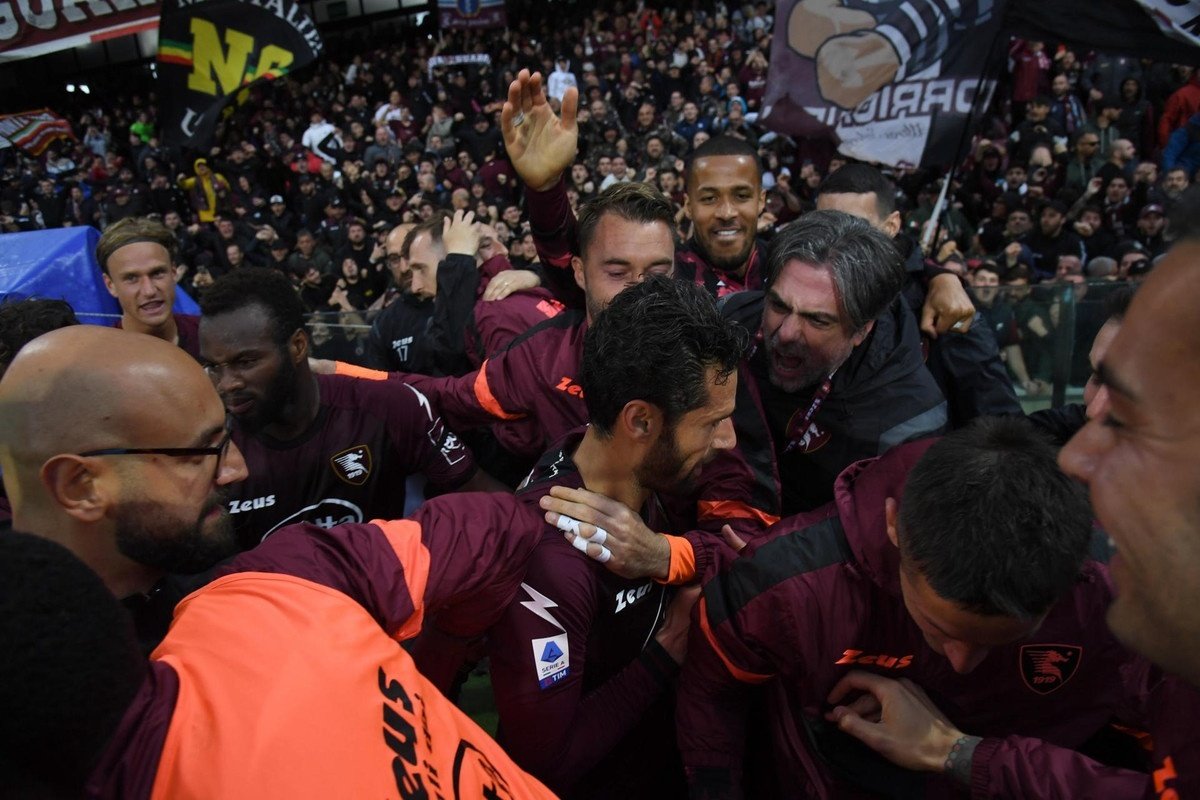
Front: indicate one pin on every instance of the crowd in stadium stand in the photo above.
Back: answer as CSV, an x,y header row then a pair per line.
x,y
1071,176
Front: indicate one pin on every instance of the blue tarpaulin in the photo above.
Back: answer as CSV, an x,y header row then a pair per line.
x,y
61,264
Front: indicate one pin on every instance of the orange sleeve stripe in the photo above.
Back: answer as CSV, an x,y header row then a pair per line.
x,y
354,371
404,535
483,393
741,674
683,560
734,509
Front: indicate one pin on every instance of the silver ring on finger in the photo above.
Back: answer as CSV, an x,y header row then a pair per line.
x,y
518,119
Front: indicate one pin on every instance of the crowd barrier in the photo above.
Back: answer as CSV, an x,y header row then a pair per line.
x,y
1071,316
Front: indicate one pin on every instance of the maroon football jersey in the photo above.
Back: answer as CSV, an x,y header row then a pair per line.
x,y
352,462
580,682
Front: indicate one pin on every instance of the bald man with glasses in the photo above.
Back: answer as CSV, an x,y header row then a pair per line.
x,y
116,446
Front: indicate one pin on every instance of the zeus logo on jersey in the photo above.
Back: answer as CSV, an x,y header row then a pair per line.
x,y
238,506
353,465
889,662
551,654
400,733
401,347
628,597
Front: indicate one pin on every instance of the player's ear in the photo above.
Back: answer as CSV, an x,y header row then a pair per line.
x,y
891,515
577,268
891,224
297,346
640,421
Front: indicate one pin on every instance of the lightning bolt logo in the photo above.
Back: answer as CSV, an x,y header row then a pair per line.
x,y
423,400
539,604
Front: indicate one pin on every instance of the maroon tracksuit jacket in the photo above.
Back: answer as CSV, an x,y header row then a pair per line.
x,y
498,323
536,380
580,682
820,596
352,462
462,563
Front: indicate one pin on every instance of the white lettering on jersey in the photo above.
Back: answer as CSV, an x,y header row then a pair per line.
x,y
401,347
628,597
238,506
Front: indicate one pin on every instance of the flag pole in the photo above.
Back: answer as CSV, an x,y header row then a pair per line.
x,y
934,226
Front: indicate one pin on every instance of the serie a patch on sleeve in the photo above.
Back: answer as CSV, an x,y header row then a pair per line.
x,y
551,659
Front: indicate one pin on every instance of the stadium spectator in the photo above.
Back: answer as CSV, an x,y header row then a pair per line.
x,y
560,79
384,149
309,255
1038,128
1119,210
1051,239
1085,162
997,318
1121,155
1065,106
1179,108
1182,150
208,191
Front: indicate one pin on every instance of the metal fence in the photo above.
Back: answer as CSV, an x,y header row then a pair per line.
x,y
1055,350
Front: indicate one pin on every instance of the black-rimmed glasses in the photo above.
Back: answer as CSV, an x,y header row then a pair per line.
x,y
219,449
